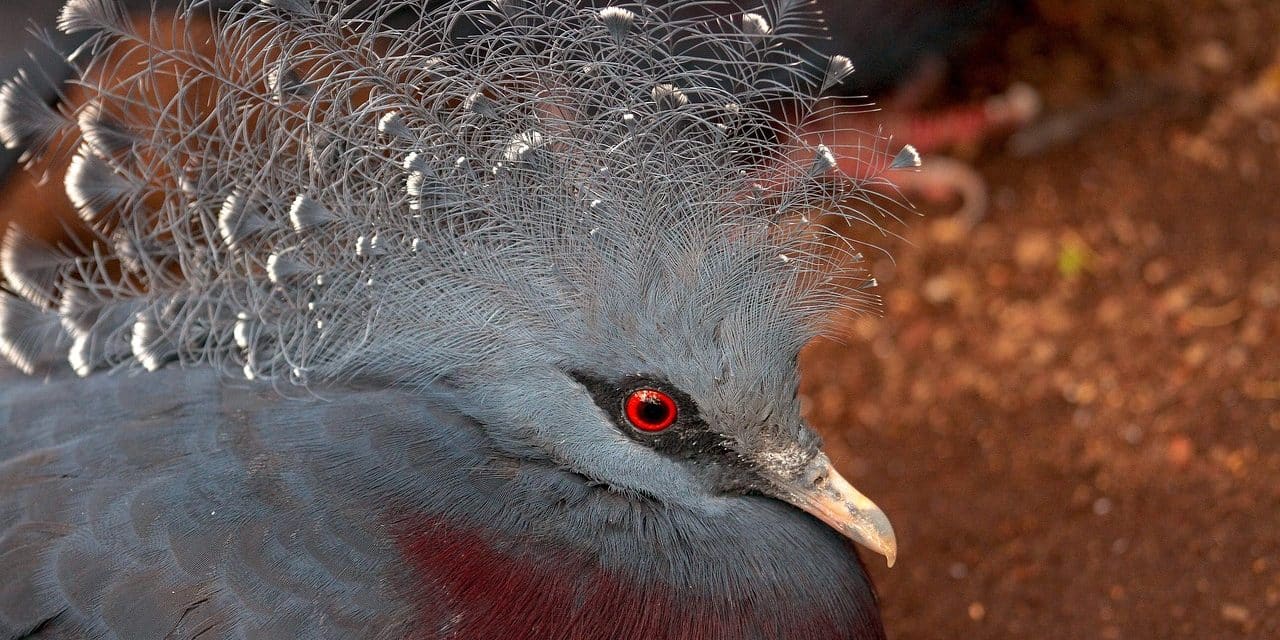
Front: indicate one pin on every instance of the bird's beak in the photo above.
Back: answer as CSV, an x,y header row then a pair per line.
x,y
827,496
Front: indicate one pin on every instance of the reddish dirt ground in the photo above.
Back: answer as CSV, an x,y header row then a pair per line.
x,y
1072,411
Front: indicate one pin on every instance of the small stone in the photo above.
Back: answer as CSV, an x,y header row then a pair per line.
x,y
1157,271
1033,249
1082,418
1237,357
1176,299
938,290
1102,506
1196,354
998,276
977,611
947,231
1235,613
1131,433
1180,450
1213,55
958,570
1111,311
1267,294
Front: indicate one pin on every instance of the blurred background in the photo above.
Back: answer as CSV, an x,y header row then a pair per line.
x,y
1071,405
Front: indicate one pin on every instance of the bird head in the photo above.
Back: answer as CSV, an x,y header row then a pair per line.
x,y
607,232
684,414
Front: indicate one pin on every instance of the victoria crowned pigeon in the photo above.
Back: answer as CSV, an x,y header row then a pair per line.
x,y
482,324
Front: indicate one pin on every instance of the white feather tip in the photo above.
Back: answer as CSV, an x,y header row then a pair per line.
x,y
838,68
618,21
668,96
306,214
755,25
907,158
27,121
79,16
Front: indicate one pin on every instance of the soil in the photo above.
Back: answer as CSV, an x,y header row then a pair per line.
x,y
1071,412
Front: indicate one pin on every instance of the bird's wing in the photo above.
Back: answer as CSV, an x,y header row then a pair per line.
x,y
169,504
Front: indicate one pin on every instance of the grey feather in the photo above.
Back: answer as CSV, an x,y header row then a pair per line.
x,y
481,104
294,7
240,217
31,339
79,16
283,268
31,267
537,259
485,219
286,85
202,475
392,124
755,25
102,135
669,96
149,344
618,20
307,215
80,309
369,246
823,160
103,345
94,186
99,326
27,121
523,146
838,68
907,158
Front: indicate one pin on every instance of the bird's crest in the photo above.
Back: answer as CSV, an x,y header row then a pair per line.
x,y
309,190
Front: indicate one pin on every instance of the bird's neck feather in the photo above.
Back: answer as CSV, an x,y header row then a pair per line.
x,y
551,556
476,586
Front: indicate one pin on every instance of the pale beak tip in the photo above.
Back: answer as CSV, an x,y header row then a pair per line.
x,y
884,542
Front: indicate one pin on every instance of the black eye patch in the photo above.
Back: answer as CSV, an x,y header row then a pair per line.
x,y
687,437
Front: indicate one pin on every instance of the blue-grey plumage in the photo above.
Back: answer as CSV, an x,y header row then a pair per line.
x,y
374,324
170,504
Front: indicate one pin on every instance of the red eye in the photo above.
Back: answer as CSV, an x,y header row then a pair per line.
x,y
650,410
